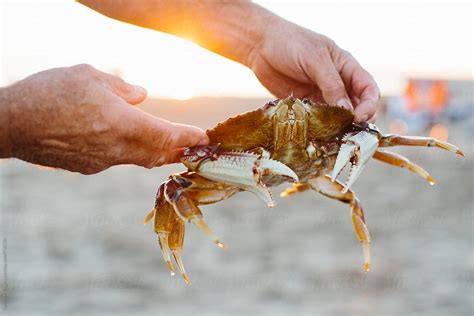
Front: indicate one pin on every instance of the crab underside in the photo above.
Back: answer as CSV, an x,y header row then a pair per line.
x,y
287,140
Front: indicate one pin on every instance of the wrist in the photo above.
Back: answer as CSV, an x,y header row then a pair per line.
x,y
242,29
259,22
5,143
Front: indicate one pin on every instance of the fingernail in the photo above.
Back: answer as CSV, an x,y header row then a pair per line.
x,y
345,104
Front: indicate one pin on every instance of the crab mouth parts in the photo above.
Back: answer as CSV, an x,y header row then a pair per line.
x,y
355,151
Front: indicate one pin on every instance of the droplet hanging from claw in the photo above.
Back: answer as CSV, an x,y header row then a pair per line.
x,y
221,245
199,223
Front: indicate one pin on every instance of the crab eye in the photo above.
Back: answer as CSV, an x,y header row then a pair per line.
x,y
187,152
201,153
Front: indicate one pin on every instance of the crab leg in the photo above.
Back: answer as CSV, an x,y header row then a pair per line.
x,y
176,241
394,140
325,186
175,203
402,162
164,218
187,210
297,187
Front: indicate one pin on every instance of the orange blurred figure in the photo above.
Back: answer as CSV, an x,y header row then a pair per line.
x,y
438,96
412,96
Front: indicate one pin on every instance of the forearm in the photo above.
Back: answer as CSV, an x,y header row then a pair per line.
x,y
5,146
228,28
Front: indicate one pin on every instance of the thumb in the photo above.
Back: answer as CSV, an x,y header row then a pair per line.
x,y
157,134
329,81
158,141
180,135
170,145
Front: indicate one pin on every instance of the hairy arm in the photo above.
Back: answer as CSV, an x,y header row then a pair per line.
x,y
228,28
286,58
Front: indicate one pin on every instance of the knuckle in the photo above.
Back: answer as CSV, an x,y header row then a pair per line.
x,y
122,86
320,52
119,85
329,42
346,56
85,68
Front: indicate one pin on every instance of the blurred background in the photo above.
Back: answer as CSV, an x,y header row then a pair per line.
x,y
74,244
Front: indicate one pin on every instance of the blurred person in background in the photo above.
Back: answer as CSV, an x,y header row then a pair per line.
x,y
421,107
415,112
438,99
80,119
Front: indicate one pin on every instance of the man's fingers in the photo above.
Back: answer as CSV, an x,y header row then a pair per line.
x,y
154,141
171,156
137,96
169,145
148,159
279,84
158,134
368,104
325,75
130,93
180,135
372,119
363,87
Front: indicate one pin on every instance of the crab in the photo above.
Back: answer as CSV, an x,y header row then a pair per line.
x,y
287,140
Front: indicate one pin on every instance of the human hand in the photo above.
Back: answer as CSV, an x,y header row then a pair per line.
x,y
80,119
291,59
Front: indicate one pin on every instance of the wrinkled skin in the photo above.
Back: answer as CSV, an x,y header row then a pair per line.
x,y
288,140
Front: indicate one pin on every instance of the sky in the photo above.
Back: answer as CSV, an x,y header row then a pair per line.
x,y
392,40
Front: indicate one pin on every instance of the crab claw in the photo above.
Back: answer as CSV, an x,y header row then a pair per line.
x,y
244,170
274,167
356,149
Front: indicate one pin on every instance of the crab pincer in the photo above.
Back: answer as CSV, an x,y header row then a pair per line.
x,y
244,170
356,149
